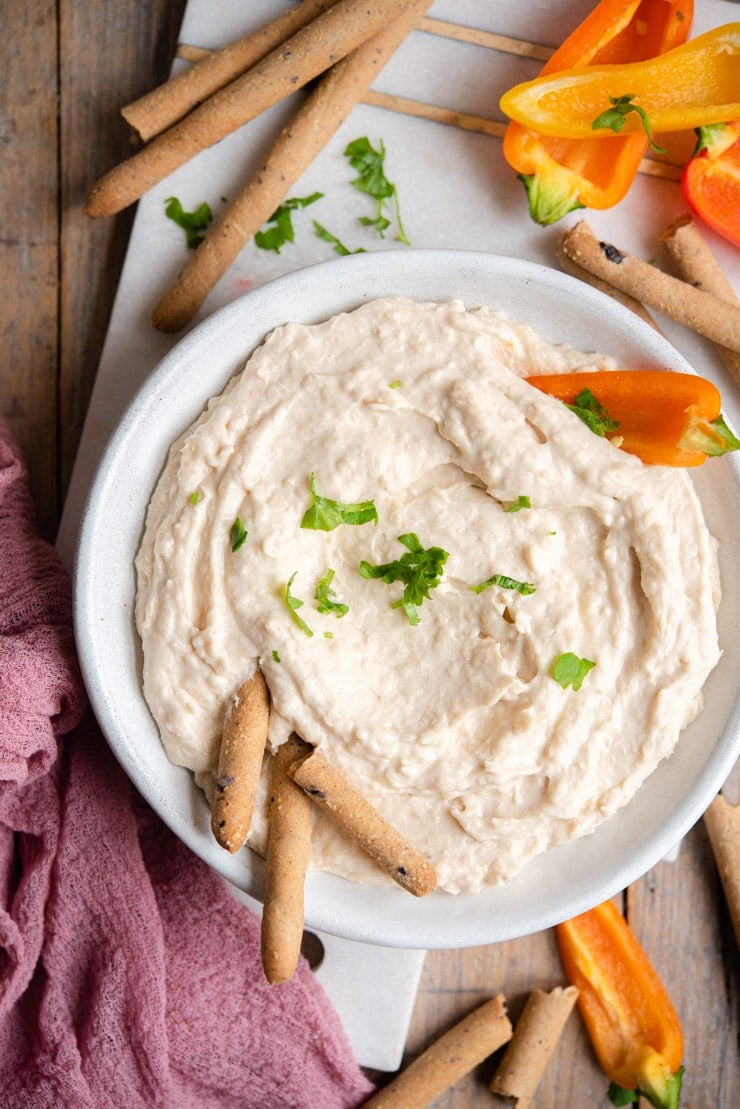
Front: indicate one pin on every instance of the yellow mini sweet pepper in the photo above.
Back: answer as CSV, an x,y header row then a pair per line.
x,y
690,86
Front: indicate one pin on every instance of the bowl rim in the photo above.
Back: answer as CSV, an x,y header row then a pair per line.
x,y
331,901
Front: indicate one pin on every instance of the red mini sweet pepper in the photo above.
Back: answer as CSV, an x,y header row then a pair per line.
x,y
711,179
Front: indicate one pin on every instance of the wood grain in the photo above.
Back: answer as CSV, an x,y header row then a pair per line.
x,y
29,243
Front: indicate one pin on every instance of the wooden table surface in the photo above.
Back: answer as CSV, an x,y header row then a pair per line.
x,y
68,68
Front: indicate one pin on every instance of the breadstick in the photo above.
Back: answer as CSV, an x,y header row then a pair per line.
x,y
568,266
239,762
311,50
535,1036
714,318
722,822
332,793
159,109
297,146
690,253
289,839
466,1045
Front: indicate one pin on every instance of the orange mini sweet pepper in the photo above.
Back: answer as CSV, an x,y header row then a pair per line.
x,y
665,418
562,174
711,179
630,1019
690,86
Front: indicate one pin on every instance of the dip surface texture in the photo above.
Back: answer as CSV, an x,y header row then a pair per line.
x,y
454,727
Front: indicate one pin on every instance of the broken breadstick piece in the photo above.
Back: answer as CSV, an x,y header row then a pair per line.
x,y
290,66
288,843
714,318
294,150
535,1035
722,822
159,109
239,762
695,263
568,266
453,1055
332,793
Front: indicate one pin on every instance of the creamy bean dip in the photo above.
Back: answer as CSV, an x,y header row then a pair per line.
x,y
454,726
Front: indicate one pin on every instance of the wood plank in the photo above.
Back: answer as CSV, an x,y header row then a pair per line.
x,y
28,245
110,54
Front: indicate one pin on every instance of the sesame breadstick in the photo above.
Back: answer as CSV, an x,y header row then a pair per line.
x,y
306,54
453,1055
288,843
334,795
722,822
239,762
694,261
295,149
714,318
535,1036
159,109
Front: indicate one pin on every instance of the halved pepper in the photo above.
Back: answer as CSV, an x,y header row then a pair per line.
x,y
560,175
665,418
630,1019
690,86
711,179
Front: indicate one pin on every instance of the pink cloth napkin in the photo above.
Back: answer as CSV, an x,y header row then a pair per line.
x,y
129,976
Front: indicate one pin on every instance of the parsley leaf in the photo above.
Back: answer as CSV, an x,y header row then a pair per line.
x,y
370,165
569,669
339,248
523,587
420,570
273,238
613,119
324,594
194,497
593,414
194,224
518,504
276,656
238,534
618,1095
294,604
326,514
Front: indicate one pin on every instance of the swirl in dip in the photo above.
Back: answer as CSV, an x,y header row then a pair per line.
x,y
454,727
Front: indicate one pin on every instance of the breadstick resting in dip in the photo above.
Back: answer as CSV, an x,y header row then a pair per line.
x,y
490,620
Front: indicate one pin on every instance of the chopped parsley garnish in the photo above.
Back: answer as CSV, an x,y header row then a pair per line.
x,y
282,231
328,635
238,534
322,232
619,1096
420,570
276,656
395,385
294,604
370,166
326,514
593,414
613,119
518,504
324,594
194,224
523,587
569,669
194,497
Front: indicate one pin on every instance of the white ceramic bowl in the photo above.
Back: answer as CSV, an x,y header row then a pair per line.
x,y
562,882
